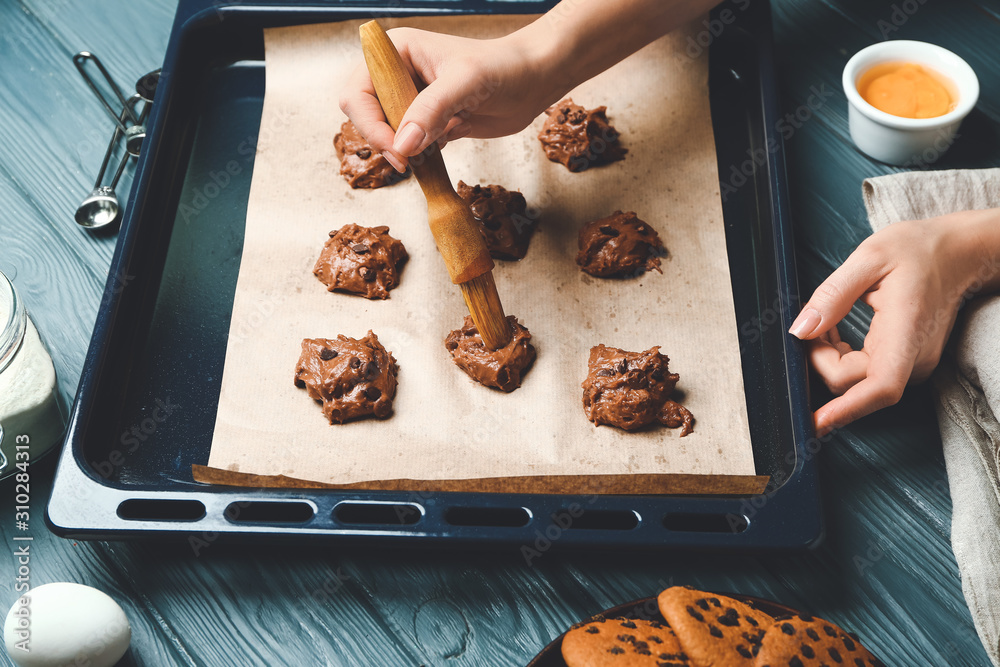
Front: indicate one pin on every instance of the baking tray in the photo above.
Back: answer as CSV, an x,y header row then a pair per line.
x,y
148,394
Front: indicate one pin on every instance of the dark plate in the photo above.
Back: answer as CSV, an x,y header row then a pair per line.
x,y
647,610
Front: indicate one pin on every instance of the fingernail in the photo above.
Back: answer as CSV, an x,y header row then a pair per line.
x,y
409,139
805,323
394,161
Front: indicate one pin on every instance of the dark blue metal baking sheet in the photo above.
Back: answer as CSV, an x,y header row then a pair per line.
x,y
147,399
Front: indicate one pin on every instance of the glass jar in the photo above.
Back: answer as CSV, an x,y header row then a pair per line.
x,y
29,394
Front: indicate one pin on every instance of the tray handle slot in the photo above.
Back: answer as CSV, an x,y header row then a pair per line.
x,y
576,518
378,514
706,522
490,517
257,511
157,509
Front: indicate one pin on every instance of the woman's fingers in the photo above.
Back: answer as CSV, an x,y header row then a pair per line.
x,y
455,129
873,393
891,358
362,107
429,114
458,131
838,365
834,298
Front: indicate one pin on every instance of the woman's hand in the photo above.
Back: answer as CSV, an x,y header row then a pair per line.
x,y
479,88
494,87
915,275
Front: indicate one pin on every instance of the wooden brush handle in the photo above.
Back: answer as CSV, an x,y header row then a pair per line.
x,y
455,231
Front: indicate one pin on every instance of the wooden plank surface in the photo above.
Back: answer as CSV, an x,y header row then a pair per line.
x,y
885,569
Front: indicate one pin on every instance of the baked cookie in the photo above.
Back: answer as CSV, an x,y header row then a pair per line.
x,y
579,138
351,378
619,245
361,260
714,630
622,642
359,164
502,218
631,390
503,368
805,641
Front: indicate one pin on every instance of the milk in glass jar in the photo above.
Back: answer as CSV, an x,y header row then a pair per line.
x,y
31,421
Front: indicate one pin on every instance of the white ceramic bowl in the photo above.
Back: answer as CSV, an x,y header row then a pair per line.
x,y
910,142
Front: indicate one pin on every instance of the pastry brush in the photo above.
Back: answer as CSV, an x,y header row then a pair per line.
x,y
455,230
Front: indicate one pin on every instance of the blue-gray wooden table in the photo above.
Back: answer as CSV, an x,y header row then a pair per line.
x,y
885,569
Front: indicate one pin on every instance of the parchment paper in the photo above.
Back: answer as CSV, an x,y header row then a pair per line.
x,y
445,427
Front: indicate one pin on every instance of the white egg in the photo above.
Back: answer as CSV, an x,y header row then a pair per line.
x,y
64,623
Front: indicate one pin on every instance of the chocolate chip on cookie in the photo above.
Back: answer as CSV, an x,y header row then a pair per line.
x,y
714,630
804,641
622,642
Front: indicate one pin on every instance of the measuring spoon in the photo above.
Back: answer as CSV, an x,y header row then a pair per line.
x,y
80,60
101,207
145,88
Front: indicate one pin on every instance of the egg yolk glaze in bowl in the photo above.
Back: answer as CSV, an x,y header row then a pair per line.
x,y
907,90
907,99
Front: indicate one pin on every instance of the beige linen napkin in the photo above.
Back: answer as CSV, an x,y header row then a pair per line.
x,y
967,383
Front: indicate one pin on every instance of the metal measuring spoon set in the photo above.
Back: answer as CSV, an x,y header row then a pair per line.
x,y
102,207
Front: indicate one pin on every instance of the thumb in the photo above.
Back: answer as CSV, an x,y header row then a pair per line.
x,y
835,297
428,117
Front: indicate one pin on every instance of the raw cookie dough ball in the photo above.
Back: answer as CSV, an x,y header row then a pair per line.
x,y
502,219
359,164
361,260
632,389
579,138
351,378
501,368
619,245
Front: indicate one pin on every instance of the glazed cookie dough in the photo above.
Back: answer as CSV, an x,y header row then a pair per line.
x,y
622,642
579,138
359,164
619,245
502,219
351,378
361,260
503,368
632,389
